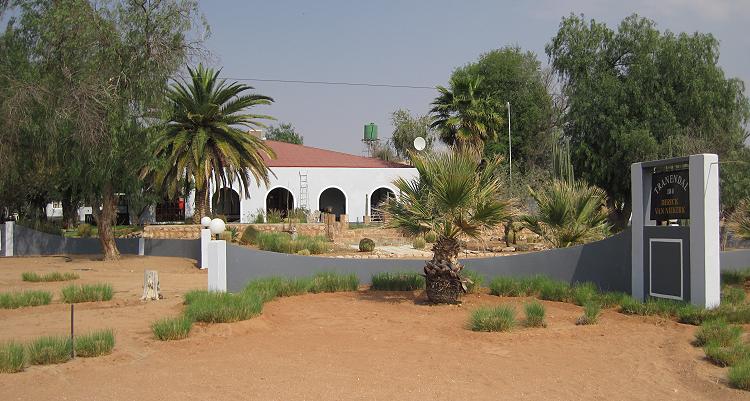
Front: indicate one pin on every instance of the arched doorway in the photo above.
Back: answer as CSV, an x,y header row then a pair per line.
x,y
376,201
226,202
281,200
332,200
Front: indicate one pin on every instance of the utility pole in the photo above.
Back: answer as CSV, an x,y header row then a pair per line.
x,y
510,155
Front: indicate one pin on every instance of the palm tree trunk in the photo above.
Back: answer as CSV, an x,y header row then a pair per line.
x,y
201,204
105,220
442,273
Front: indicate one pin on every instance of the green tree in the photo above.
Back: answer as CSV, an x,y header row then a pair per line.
x,y
284,133
202,137
406,128
511,75
98,72
465,117
452,197
637,94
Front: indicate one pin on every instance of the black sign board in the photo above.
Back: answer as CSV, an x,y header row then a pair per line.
x,y
670,195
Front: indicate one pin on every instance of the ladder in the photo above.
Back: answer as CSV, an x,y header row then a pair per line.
x,y
303,197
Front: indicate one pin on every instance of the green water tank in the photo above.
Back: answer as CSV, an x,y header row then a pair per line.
x,y
371,132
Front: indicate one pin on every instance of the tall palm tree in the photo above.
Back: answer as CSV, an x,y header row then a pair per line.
x,y
202,138
463,116
569,213
453,196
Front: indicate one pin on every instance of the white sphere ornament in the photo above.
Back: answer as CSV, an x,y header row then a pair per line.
x,y
205,221
419,143
217,226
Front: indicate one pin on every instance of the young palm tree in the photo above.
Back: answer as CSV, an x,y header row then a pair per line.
x,y
570,213
463,117
453,196
203,140
739,221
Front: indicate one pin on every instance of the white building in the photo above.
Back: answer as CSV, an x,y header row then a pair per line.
x,y
313,179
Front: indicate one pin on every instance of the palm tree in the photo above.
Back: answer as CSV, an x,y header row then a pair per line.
x,y
453,196
569,213
739,220
202,140
464,117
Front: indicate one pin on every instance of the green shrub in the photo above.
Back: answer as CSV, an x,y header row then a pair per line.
x,y
86,293
334,282
84,230
222,307
172,328
283,243
399,281
315,245
591,311
13,300
259,217
507,286
610,299
727,356
95,344
739,375
498,318
717,332
691,314
12,357
535,314
583,293
303,252
733,295
735,278
476,280
53,276
652,306
272,287
49,350
419,243
430,237
553,290
366,245
733,313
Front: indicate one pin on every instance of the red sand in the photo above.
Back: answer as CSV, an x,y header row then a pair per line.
x,y
347,346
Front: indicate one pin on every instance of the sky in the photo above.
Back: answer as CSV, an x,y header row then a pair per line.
x,y
414,43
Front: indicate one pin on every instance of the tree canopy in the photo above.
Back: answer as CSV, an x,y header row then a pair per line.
x,y
406,128
285,132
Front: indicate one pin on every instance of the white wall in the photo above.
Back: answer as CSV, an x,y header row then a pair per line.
x,y
356,183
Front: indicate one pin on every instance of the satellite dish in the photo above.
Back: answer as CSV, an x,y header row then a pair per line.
x,y
419,143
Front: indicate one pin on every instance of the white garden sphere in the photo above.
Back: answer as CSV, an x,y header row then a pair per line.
x,y
419,143
217,226
205,221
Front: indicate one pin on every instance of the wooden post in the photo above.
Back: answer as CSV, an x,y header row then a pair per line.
x,y
151,285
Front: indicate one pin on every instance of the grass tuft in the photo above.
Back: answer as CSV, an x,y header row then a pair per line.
x,y
535,314
172,328
12,357
476,280
739,375
398,281
49,350
86,293
334,282
591,312
727,356
221,307
583,293
553,290
717,332
272,287
95,344
733,295
13,300
283,243
498,318
53,276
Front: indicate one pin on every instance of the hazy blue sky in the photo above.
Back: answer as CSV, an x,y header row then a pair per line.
x,y
413,43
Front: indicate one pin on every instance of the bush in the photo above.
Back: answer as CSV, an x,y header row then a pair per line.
x,y
273,216
249,235
553,290
12,357
272,287
507,286
430,237
303,252
717,332
535,315
583,293
591,311
727,356
334,282
53,276
499,318
739,375
221,307
13,300
49,350
86,293
690,314
366,245
84,230
733,295
419,243
399,281
652,306
95,344
735,278
283,243
172,328
610,299
476,282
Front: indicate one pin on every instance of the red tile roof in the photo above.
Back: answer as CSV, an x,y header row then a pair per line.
x,y
291,155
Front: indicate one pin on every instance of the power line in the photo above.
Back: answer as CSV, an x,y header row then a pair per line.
x,y
368,84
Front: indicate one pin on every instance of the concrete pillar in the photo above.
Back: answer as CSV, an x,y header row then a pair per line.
x,y
705,284
217,265
8,238
640,205
141,246
205,238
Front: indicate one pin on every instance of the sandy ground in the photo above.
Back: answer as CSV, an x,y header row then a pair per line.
x,y
346,346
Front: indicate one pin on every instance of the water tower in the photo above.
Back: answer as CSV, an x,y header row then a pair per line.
x,y
370,139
